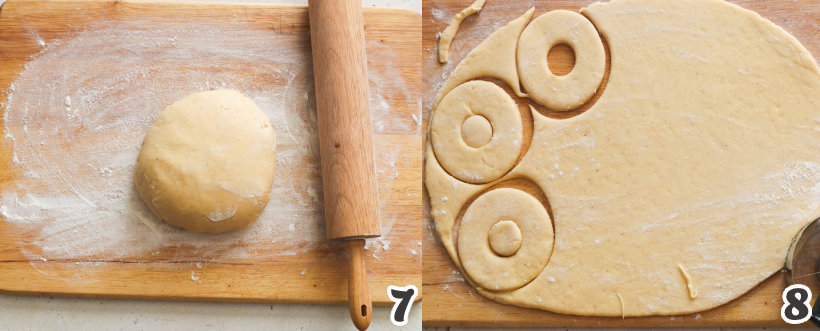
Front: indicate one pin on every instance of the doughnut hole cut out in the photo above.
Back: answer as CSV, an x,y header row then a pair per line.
x,y
561,59
505,238
476,131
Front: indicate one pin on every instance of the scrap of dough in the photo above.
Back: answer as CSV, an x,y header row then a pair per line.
x,y
492,58
446,36
693,293
701,151
207,162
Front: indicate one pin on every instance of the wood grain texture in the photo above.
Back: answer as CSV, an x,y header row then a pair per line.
x,y
358,291
166,274
445,290
345,139
343,110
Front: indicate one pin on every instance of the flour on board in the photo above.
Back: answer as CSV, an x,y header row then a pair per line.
x,y
77,113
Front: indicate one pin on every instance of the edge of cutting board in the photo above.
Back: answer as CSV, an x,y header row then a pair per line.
x,y
275,280
443,287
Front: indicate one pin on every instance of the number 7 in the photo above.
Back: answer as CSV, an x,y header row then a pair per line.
x,y
403,298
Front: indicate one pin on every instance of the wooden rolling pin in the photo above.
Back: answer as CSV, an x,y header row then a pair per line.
x,y
345,138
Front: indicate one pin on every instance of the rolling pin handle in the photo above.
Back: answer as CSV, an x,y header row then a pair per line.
x,y
358,292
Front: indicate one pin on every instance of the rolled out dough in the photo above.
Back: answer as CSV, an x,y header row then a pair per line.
x,y
679,190
207,162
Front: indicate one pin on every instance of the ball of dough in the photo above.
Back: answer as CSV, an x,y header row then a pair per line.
x,y
207,162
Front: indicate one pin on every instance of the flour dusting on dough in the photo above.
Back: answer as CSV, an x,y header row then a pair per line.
x,y
218,215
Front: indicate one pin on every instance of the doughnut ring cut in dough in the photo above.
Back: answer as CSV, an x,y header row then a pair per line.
x,y
207,162
570,91
497,209
463,148
699,155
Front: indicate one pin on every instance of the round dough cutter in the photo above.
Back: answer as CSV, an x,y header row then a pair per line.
x,y
803,263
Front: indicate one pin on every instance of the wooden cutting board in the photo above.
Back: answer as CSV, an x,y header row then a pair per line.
x,y
444,289
268,271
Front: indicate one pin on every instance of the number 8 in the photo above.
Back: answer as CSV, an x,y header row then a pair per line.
x,y
792,303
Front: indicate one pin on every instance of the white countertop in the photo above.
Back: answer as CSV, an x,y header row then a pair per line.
x,y
53,313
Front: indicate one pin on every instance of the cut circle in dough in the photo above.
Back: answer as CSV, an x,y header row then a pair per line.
x,y
476,131
488,161
701,155
493,271
505,238
572,90
207,162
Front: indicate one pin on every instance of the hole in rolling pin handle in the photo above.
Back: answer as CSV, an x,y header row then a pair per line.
x,y
364,311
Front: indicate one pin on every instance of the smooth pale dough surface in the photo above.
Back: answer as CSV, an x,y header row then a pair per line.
x,y
207,162
476,131
695,168
505,238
